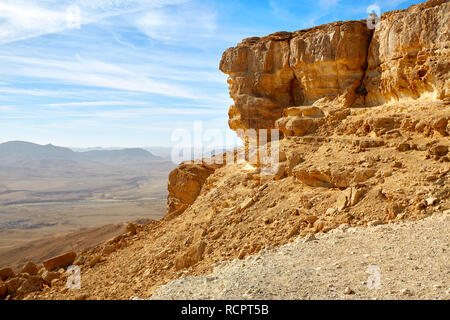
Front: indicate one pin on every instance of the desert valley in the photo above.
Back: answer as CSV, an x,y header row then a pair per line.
x,y
47,192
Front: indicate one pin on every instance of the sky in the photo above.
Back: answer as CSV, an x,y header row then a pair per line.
x,y
134,73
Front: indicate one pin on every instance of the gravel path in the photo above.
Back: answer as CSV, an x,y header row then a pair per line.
x,y
397,261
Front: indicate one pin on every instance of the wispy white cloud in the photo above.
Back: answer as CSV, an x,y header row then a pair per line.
x,y
97,104
92,74
187,22
123,113
328,3
23,19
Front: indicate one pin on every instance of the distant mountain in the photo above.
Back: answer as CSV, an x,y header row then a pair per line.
x,y
22,153
124,155
19,151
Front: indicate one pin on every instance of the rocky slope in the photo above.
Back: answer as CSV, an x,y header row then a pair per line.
x,y
395,261
365,141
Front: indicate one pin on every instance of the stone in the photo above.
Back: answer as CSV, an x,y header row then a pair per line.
x,y
54,282
309,237
387,173
397,164
14,284
356,195
216,235
80,260
293,159
62,261
3,290
311,219
319,225
332,176
131,228
402,147
281,172
108,249
191,257
32,284
374,223
293,231
242,254
405,292
343,200
82,297
94,260
6,273
331,211
439,150
298,126
431,201
247,204
348,290
49,276
268,220
30,268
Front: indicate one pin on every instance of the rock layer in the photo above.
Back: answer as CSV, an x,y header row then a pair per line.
x,y
409,54
269,74
343,63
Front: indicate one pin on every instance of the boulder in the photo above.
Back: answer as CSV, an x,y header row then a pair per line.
x,y
185,184
3,290
49,276
30,268
14,284
94,260
32,284
62,261
131,228
6,273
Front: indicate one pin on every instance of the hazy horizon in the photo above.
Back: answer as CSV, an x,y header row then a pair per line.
x,y
112,147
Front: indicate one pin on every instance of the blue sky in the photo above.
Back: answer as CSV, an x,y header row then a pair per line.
x,y
130,72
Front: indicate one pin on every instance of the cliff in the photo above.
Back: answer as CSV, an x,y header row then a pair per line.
x,y
309,81
344,64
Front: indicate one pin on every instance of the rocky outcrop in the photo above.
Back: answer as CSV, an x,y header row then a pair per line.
x,y
185,183
343,64
269,74
409,55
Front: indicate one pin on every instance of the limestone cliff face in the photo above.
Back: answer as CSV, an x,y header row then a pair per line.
x,y
409,56
344,63
269,74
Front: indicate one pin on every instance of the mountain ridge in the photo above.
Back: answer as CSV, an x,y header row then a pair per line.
x,y
14,152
